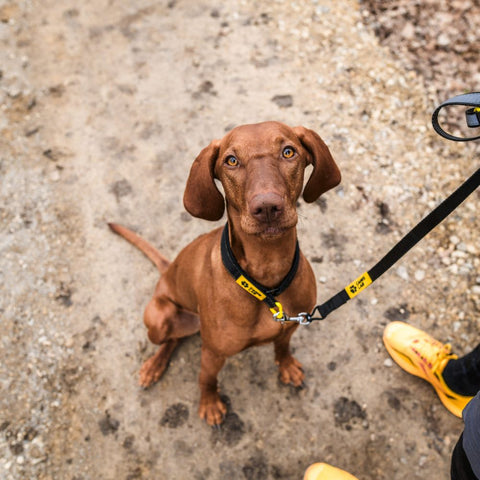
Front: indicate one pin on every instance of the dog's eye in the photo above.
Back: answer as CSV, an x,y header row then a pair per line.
x,y
288,152
231,161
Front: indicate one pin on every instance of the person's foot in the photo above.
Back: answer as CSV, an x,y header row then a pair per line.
x,y
419,354
323,471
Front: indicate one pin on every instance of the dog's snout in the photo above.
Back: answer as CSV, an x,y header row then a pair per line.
x,y
267,207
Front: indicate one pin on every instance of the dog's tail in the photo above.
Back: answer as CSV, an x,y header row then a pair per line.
x,y
149,250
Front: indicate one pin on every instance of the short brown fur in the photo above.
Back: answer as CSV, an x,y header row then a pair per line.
x,y
197,294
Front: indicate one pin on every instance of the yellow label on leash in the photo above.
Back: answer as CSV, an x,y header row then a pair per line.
x,y
251,289
362,282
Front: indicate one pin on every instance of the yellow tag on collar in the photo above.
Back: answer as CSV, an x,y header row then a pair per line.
x,y
250,288
361,283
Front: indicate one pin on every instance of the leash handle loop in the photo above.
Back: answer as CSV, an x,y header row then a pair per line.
x,y
472,115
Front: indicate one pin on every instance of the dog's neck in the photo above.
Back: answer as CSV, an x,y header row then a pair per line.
x,y
266,260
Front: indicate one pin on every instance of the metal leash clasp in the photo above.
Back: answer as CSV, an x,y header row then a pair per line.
x,y
279,315
303,318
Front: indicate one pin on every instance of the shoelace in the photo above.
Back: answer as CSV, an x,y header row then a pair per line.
x,y
444,353
436,359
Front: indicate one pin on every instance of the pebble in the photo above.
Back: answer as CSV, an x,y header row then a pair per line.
x,y
476,289
388,363
453,269
402,272
443,40
419,275
454,240
55,176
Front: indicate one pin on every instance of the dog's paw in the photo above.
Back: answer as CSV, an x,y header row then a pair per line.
x,y
156,365
150,372
291,371
212,411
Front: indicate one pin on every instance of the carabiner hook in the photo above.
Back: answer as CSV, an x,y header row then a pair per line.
x,y
303,318
278,316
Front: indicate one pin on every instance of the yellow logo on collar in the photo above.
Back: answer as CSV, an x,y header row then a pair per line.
x,y
362,282
251,289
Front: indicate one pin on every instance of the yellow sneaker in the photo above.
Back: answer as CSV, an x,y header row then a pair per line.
x,y
421,355
323,471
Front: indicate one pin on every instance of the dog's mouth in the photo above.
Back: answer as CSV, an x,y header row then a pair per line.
x,y
268,230
272,231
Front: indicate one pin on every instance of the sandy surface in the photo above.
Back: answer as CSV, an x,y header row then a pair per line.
x,y
104,105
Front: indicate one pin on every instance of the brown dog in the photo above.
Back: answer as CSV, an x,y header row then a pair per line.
x,y
261,168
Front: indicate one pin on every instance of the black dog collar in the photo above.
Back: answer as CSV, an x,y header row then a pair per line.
x,y
249,284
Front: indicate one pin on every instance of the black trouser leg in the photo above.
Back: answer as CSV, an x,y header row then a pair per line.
x,y
460,468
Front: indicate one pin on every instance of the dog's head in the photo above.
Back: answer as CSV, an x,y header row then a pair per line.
x,y
261,169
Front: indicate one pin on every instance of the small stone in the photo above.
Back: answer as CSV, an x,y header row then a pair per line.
x,y
408,31
14,91
471,249
446,261
453,269
454,240
476,289
402,272
443,40
419,275
388,363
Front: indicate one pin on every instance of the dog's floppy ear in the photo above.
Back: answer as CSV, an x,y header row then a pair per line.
x,y
202,198
326,174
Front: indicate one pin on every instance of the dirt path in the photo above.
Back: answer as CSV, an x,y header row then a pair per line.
x,y
104,105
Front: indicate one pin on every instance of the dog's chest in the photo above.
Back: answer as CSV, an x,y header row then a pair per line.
x,y
267,331
244,329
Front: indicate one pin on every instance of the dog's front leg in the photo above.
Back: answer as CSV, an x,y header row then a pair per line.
x,y
289,367
211,408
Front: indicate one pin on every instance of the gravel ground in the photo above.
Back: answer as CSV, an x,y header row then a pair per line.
x,y
104,106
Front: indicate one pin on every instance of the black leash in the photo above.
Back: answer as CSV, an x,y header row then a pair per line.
x,y
398,251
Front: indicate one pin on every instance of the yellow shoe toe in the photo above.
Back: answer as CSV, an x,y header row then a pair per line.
x,y
323,471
